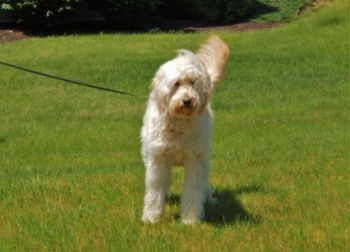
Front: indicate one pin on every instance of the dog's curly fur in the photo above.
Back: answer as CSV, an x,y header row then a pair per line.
x,y
177,127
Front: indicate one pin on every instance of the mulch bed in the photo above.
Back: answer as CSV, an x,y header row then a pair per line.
x,y
11,35
241,27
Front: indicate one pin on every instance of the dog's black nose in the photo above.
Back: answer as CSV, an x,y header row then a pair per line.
x,y
187,102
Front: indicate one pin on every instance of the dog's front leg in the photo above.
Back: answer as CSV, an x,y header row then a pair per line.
x,y
157,185
196,186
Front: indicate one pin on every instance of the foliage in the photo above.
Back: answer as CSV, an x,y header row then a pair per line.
x,y
219,10
223,11
35,12
125,12
134,12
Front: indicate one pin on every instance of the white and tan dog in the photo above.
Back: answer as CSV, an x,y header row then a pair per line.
x,y
177,128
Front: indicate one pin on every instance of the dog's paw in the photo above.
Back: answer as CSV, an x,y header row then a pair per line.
x,y
150,217
192,217
190,221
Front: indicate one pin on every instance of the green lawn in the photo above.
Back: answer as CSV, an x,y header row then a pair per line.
x,y
71,175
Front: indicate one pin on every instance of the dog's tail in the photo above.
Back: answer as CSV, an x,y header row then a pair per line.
x,y
214,54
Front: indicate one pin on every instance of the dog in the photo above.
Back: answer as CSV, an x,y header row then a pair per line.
x,y
177,128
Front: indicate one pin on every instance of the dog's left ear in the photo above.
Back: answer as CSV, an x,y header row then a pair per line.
x,y
214,54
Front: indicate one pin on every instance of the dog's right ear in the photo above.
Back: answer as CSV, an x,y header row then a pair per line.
x,y
157,80
158,93
214,54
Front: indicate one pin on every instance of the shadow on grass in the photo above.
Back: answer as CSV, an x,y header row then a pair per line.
x,y
259,9
2,140
228,209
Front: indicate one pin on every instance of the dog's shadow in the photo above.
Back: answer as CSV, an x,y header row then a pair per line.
x,y
228,208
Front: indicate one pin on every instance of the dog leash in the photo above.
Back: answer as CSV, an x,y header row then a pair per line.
x,y
69,81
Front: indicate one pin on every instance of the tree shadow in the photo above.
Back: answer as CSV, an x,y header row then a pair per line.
x,y
228,208
258,9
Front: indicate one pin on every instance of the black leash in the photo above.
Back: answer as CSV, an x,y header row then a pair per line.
x,y
69,81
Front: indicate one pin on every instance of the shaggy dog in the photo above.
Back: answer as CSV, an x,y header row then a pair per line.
x,y
177,127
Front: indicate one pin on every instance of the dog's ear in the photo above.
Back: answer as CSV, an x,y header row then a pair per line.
x,y
158,93
214,54
157,79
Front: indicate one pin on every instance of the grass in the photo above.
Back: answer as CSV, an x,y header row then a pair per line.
x,y
276,11
71,176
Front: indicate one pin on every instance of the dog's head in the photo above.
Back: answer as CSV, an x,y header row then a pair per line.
x,y
182,86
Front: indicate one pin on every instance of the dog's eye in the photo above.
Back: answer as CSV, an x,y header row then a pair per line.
x,y
177,84
192,82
